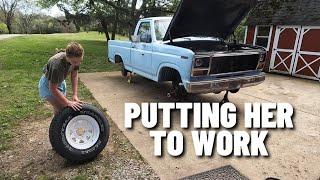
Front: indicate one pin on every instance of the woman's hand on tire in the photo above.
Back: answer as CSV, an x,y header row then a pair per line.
x,y
75,105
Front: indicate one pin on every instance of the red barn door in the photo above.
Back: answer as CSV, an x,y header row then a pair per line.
x,y
307,61
296,51
284,49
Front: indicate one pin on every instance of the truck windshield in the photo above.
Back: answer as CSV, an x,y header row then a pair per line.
x,y
161,27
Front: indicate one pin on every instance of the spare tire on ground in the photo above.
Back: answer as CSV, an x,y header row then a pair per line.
x,y
79,136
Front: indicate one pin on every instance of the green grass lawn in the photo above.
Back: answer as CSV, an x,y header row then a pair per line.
x,y
21,62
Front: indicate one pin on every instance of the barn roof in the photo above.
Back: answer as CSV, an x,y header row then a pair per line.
x,y
285,12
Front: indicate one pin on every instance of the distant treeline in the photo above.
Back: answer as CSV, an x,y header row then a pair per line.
x,y
110,17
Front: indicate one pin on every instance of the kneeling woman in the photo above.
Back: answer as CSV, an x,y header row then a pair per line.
x,y
52,85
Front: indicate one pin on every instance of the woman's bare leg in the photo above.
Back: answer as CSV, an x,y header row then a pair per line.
x,y
57,106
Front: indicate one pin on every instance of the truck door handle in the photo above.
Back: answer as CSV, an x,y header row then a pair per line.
x,y
142,54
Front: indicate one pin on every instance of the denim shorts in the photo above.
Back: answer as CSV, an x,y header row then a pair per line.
x,y
44,90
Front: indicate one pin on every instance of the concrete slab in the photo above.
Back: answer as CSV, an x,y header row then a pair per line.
x,y
294,154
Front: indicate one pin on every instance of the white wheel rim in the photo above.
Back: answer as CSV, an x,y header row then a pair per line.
x,y
82,132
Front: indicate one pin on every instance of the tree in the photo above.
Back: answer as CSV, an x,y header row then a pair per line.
x,y
2,17
79,17
8,8
107,15
239,32
26,15
25,22
76,11
82,12
132,13
115,16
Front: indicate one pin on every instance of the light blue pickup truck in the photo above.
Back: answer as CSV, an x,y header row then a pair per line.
x,y
190,49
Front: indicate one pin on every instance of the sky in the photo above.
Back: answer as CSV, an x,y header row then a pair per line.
x,y
54,11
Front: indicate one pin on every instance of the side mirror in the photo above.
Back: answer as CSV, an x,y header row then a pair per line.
x,y
135,39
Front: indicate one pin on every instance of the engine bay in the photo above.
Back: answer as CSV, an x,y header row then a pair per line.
x,y
210,46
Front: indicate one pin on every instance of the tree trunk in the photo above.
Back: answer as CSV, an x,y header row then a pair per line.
x,y
107,35
115,27
115,22
133,9
77,26
9,28
105,28
9,25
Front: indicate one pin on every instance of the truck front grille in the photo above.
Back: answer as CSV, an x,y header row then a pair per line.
x,y
225,64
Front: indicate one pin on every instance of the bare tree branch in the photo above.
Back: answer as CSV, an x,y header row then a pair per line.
x,y
8,7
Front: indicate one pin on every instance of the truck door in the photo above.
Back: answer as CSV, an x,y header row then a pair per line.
x,y
141,52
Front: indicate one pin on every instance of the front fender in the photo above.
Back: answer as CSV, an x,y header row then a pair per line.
x,y
185,77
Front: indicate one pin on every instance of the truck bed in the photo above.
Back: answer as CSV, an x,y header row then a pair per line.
x,y
116,47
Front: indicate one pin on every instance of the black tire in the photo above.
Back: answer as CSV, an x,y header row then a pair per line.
x,y
178,89
124,72
234,90
58,140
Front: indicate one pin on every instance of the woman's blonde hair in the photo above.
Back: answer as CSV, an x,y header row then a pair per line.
x,y
73,49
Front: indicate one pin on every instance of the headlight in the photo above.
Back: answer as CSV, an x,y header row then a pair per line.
x,y
198,62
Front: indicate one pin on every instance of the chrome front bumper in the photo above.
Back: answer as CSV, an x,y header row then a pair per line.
x,y
224,84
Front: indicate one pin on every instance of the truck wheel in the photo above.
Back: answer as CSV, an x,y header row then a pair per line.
x,y
79,136
178,89
124,72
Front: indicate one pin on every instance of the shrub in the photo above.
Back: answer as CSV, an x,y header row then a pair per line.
x,y
3,28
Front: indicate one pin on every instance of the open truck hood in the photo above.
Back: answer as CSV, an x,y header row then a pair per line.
x,y
210,18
